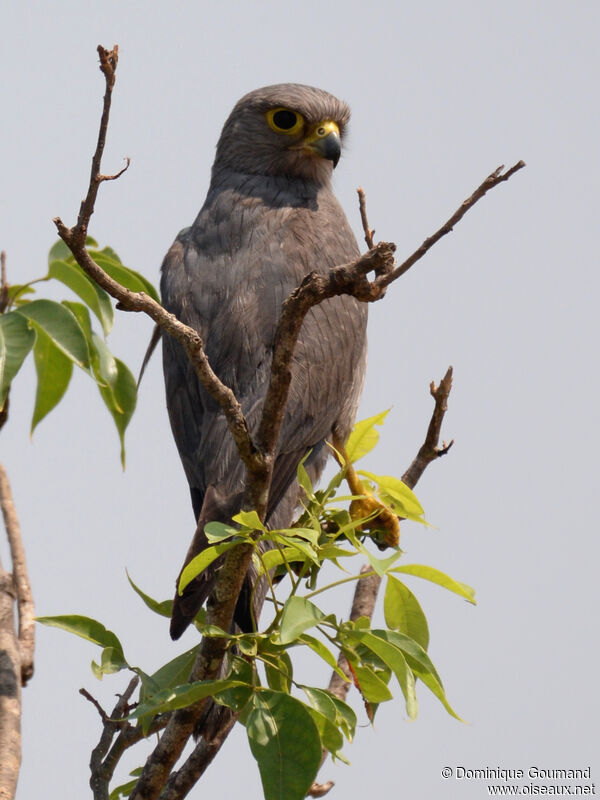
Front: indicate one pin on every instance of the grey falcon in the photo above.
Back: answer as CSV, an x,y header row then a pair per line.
x,y
269,219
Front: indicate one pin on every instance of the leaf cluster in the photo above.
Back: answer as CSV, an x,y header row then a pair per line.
x,y
60,335
288,723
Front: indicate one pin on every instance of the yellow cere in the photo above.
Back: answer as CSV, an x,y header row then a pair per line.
x,y
321,130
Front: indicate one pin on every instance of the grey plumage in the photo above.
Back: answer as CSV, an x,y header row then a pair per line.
x,y
269,219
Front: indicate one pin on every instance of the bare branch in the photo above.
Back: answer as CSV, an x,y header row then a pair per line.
x,y
430,449
99,779
362,205
314,289
10,690
75,239
16,651
103,715
20,578
180,782
108,65
492,180
101,178
183,721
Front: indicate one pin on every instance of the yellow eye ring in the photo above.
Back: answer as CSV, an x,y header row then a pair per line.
x,y
284,120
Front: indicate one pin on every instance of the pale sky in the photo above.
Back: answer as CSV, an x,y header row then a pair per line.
x,y
441,93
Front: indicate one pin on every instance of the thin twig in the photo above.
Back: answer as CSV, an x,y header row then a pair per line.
x,y
20,578
108,65
99,780
362,205
75,238
103,715
430,449
492,180
101,178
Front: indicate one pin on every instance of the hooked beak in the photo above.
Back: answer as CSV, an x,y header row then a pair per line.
x,y
324,141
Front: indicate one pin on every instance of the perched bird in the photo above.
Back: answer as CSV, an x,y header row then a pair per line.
x,y
269,219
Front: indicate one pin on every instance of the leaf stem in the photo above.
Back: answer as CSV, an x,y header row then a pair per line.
x,y
338,583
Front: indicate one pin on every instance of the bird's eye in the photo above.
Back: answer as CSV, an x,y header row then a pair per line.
x,y
284,120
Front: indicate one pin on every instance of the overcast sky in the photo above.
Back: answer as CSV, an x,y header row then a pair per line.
x,y
441,94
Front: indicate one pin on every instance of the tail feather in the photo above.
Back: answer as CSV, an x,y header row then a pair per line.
x,y
186,605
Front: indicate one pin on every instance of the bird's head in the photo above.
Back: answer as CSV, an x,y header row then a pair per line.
x,y
284,130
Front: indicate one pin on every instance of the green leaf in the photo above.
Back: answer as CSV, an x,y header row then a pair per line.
x,y
104,363
310,534
305,548
331,738
16,291
111,661
274,558
181,696
345,716
202,561
219,531
212,630
383,565
247,644
298,615
129,278
364,437
237,697
59,250
333,552
123,790
435,576
163,608
393,658
175,673
82,315
250,520
61,326
92,295
435,686
414,653
16,340
120,399
322,651
87,628
54,372
403,612
321,700
285,742
303,478
395,493
372,688
279,670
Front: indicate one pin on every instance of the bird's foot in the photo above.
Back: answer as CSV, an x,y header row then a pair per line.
x,y
383,525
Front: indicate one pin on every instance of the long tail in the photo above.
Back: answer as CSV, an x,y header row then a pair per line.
x,y
187,604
